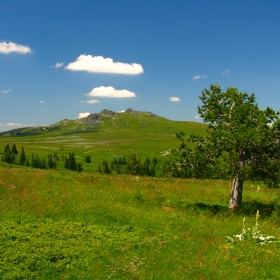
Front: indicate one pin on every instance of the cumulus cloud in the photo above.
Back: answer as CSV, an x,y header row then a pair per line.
x,y
42,102
10,47
225,73
59,64
110,92
199,77
174,99
6,90
92,101
83,115
197,117
99,64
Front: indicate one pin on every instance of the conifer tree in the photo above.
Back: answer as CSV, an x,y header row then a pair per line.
x,y
105,167
8,156
22,156
14,149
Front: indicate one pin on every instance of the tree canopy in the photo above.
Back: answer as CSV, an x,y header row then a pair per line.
x,y
242,141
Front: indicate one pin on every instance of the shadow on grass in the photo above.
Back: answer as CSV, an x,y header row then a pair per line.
x,y
248,208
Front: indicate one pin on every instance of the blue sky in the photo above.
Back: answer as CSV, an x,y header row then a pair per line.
x,y
65,59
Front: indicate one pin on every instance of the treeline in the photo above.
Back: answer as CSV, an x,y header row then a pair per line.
x,y
12,156
132,165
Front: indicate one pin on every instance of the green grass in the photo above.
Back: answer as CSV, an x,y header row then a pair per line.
x,y
64,225
121,134
68,225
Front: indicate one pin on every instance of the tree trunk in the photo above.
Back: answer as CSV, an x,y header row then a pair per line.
x,y
236,193
237,184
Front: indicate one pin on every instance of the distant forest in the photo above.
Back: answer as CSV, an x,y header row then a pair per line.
x,y
132,165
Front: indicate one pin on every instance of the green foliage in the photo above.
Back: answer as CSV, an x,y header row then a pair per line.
x,y
70,163
57,224
133,166
36,162
33,250
14,149
105,168
22,158
253,234
8,156
88,159
52,161
248,134
242,142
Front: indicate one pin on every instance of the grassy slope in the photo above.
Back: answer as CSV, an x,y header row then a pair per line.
x,y
65,225
121,134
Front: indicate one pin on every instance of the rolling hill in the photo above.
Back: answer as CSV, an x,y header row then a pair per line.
x,y
104,135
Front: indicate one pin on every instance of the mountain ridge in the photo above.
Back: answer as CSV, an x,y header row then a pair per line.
x,y
92,122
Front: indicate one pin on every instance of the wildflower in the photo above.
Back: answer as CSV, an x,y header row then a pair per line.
x,y
253,234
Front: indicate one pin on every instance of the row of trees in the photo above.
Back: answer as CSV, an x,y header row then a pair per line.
x,y
133,166
10,155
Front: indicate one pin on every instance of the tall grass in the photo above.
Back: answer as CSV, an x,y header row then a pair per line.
x,y
64,225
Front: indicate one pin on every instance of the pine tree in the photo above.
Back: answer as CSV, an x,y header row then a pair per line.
x,y
22,156
70,163
14,149
8,156
105,167
154,161
88,159
79,167
50,161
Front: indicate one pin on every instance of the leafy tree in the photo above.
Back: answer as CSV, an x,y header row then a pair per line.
x,y
240,133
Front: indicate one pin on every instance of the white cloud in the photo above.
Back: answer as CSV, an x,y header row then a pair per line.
x,y
6,90
7,48
199,77
83,115
42,102
110,92
225,73
122,111
99,64
197,117
92,101
59,64
16,124
174,99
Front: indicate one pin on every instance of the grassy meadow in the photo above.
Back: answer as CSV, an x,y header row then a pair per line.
x,y
60,224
